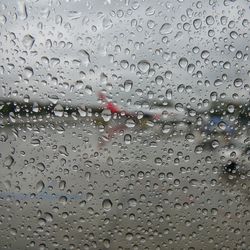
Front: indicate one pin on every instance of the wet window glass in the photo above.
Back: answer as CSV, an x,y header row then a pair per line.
x,y
124,124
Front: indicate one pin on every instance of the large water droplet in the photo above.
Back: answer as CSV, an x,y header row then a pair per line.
x,y
8,161
128,84
166,28
28,71
107,204
238,82
39,186
183,62
85,57
58,110
143,66
22,10
28,41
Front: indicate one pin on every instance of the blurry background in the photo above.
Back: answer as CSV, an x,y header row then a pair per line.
x,y
170,171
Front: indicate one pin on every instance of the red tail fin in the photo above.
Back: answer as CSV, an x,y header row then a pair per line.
x,y
109,105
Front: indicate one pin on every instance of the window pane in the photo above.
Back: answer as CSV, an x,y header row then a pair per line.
x,y
124,124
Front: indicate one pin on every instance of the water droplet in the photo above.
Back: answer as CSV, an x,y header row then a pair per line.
x,y
58,110
205,54
3,19
169,94
159,80
168,74
183,62
39,186
107,23
128,84
106,243
218,82
238,82
53,98
132,202
62,185
85,57
110,161
210,20
194,182
21,9
222,125
28,41
197,23
8,161
150,11
106,115
107,204
166,28
143,66
13,231
28,71
88,90
127,139
63,150
124,64
63,200
7,184
130,123
230,108
40,166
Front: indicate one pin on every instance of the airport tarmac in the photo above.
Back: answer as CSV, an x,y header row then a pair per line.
x,y
62,188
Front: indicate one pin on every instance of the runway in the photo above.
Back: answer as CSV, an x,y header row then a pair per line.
x,y
61,188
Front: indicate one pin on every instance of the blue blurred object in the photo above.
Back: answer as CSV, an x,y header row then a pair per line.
x,y
214,122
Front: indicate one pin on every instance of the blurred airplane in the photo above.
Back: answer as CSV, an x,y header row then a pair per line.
x,y
147,114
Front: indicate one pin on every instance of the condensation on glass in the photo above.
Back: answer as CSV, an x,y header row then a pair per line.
x,y
124,125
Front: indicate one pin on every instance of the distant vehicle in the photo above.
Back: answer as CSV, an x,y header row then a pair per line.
x,y
225,131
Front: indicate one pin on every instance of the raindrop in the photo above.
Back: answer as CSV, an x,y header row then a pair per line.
x,y
58,110
107,23
205,54
106,115
8,161
183,62
132,202
39,186
40,166
218,82
210,20
28,41
106,243
88,90
127,139
238,82
107,204
110,161
130,123
169,94
197,23
28,71
21,9
63,150
222,125
159,80
168,74
166,28
85,57
150,11
143,66
128,84
62,185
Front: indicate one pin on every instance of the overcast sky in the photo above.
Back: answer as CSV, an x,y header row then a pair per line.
x,y
70,50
